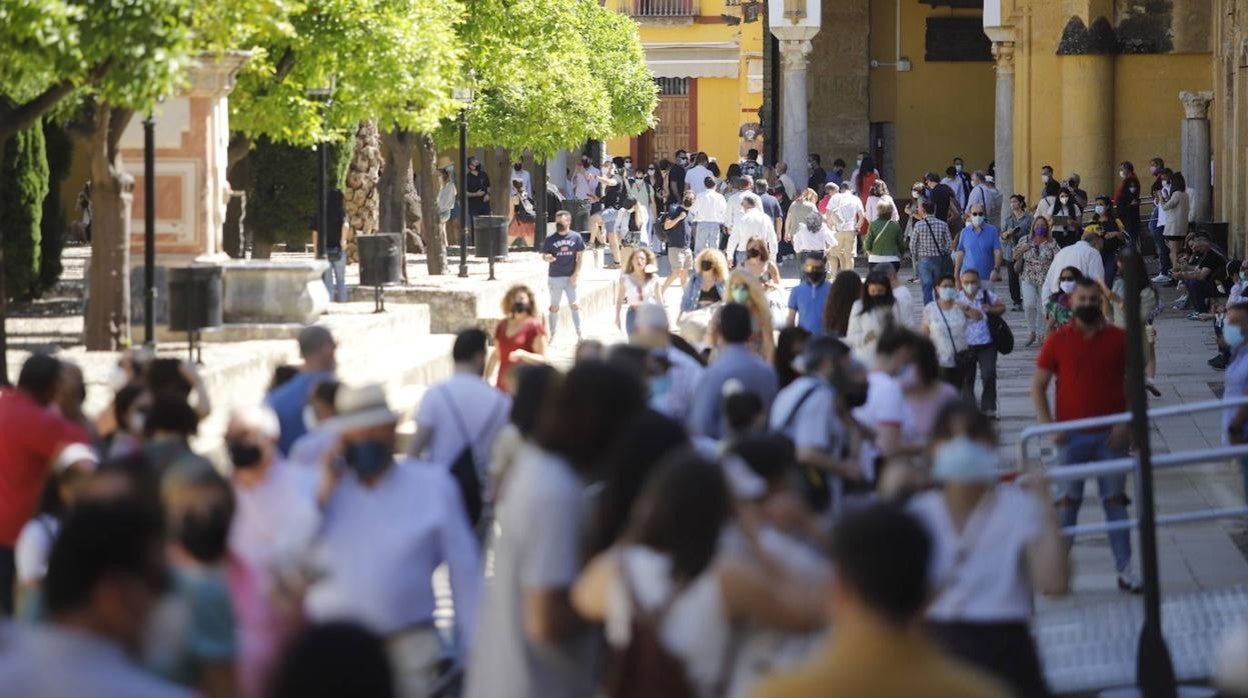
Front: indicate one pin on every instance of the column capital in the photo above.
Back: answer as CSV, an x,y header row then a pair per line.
x,y
1196,104
212,74
794,53
1003,52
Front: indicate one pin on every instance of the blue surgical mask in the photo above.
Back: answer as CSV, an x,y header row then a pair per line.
x,y
971,289
948,293
1232,335
741,294
367,458
977,221
964,460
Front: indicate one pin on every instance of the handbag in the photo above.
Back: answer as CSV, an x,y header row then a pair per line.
x,y
946,262
964,359
999,330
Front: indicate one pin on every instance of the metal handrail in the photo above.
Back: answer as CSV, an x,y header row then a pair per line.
x,y
1128,524
1118,466
1110,420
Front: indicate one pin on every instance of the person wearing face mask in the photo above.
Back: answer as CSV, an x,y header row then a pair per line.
x,y
872,314
192,639
1088,359
385,525
676,176
708,285
1235,419
477,184
1046,175
518,172
671,392
1127,199
944,322
1176,205
979,247
733,360
274,521
885,416
809,296
697,175
818,176
808,413
309,449
1066,217
1156,167
131,405
993,547
925,393
883,240
745,289
1015,229
1107,224
520,337
979,342
1058,310
1034,255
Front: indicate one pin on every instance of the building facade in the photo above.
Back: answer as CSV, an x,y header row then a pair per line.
x,y
707,58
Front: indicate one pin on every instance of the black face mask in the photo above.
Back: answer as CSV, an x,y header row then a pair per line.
x,y
817,276
204,534
753,254
1088,314
519,307
516,167
706,265
855,395
243,454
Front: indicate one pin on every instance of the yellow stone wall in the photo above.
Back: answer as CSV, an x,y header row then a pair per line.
x,y
940,110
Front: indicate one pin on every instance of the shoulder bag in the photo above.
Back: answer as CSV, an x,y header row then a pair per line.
x,y
998,329
946,262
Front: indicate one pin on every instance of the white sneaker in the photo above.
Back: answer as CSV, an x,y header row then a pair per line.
x,y
1128,582
1160,279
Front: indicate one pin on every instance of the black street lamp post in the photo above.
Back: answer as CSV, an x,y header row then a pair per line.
x,y
464,95
149,230
325,95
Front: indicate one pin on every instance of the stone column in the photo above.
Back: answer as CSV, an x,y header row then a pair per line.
x,y
1195,152
1086,59
794,134
1003,131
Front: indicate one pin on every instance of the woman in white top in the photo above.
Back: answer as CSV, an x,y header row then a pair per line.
x,y
1177,205
871,315
993,546
879,193
795,219
638,284
811,236
668,568
446,199
944,322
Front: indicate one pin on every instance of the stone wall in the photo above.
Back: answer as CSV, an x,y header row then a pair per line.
x,y
839,81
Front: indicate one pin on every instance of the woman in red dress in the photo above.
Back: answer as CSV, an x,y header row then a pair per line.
x,y
520,337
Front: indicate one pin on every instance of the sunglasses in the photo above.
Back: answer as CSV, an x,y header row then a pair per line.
x,y
1067,278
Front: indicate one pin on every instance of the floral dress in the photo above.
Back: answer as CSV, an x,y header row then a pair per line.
x,y
1037,259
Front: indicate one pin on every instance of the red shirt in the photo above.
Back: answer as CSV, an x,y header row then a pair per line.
x,y
523,339
1090,371
30,438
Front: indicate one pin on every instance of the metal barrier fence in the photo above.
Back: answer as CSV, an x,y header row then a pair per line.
x,y
1117,466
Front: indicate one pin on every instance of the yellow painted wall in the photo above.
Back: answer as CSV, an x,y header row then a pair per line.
x,y
1147,112
940,110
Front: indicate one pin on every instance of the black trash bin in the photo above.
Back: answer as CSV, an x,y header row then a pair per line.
x,y
1217,231
381,259
194,298
491,236
579,208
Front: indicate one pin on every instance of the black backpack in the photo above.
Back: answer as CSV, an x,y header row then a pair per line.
x,y
999,330
464,468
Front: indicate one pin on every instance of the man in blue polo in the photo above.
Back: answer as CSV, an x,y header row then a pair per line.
x,y
807,299
979,247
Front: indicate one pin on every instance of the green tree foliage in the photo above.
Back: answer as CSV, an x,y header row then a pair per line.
x,y
391,60
24,181
60,152
281,195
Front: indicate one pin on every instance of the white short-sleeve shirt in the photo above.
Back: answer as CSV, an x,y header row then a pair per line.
x,y
483,409
980,573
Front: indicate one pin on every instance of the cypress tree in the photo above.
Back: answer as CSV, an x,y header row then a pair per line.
x,y
24,183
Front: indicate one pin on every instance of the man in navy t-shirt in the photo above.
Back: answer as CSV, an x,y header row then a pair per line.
x,y
563,252
807,299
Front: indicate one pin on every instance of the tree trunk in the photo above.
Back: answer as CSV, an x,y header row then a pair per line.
x,y
500,181
396,179
431,225
107,325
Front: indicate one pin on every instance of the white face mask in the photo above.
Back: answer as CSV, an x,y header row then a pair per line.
x,y
1044,179
908,377
1100,210
1122,174
964,460
957,168
970,289
1067,287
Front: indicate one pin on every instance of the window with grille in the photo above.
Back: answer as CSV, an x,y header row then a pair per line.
x,y
673,87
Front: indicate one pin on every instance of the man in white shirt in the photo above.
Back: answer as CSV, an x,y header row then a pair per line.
x,y
843,213
1084,255
697,175
790,187
709,213
106,574
752,224
671,393
741,187
984,193
462,411
385,527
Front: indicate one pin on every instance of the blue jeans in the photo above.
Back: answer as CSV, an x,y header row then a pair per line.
x,y
929,271
1091,447
336,278
630,321
706,235
561,286
1163,251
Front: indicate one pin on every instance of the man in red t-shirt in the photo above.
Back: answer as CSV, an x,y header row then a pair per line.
x,y
32,433
1089,358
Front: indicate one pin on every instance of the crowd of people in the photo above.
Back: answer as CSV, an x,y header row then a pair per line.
x,y
762,494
